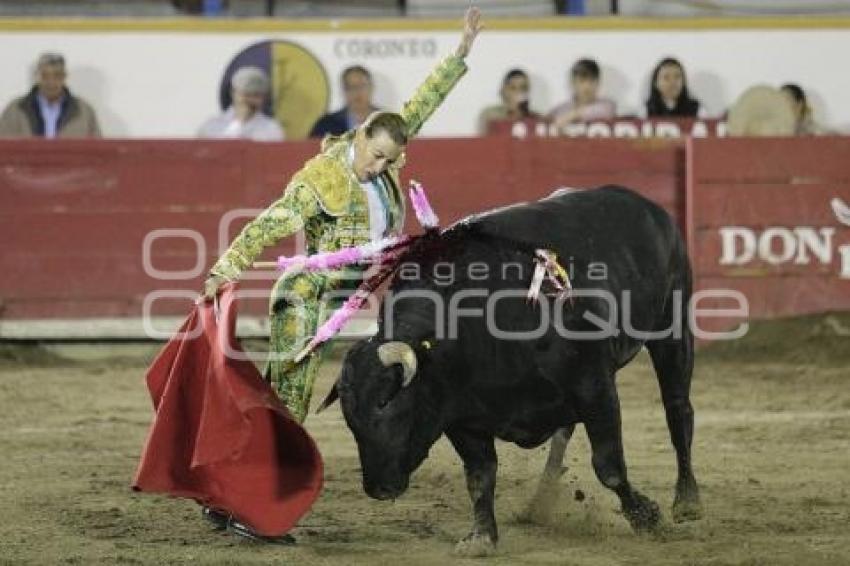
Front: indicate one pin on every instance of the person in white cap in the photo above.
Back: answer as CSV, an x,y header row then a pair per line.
x,y
244,119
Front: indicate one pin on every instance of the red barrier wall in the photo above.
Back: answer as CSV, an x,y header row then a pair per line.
x,y
765,219
75,214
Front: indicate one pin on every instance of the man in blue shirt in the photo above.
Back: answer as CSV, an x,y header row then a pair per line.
x,y
49,110
357,88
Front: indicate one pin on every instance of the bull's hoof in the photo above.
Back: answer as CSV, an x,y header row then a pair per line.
x,y
475,546
686,504
687,509
644,515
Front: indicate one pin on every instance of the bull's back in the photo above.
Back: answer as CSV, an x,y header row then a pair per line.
x,y
609,226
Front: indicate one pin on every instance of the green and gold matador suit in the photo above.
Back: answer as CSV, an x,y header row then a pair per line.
x,y
326,200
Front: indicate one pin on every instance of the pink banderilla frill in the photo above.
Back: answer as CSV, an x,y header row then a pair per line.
x,y
365,253
424,213
389,264
335,323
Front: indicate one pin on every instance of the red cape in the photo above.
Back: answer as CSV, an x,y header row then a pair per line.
x,y
221,435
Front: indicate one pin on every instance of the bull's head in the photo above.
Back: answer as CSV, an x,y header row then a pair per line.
x,y
386,405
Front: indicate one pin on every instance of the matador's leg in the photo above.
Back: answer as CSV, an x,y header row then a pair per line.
x,y
295,312
299,304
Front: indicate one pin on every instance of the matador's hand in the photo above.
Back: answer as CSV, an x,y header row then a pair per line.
x,y
471,26
212,286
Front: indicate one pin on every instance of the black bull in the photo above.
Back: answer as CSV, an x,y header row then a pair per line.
x,y
439,365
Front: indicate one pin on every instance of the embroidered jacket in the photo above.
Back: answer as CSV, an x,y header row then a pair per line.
x,y
325,198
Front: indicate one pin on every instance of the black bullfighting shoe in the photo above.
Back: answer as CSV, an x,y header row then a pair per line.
x,y
221,521
243,530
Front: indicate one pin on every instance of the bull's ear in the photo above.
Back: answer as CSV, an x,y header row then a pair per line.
x,y
332,396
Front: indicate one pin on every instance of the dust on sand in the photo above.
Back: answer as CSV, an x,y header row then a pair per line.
x,y
772,450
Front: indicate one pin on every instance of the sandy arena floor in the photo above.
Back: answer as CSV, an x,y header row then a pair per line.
x,y
772,452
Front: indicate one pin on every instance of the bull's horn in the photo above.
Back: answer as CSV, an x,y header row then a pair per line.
x,y
399,353
332,396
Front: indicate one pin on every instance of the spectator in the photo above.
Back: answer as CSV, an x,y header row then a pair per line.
x,y
805,121
357,88
585,104
49,110
244,118
515,94
668,92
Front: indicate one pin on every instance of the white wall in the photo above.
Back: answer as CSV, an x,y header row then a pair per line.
x,y
731,7
163,84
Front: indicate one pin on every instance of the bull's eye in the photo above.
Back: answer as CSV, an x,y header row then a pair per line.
x,y
385,399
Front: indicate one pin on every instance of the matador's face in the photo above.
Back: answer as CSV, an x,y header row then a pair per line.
x,y
373,156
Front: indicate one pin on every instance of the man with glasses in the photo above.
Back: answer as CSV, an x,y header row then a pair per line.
x,y
357,88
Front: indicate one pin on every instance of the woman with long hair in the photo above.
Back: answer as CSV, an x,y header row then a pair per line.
x,y
668,92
